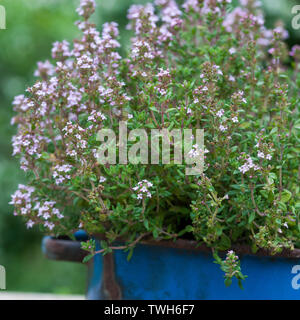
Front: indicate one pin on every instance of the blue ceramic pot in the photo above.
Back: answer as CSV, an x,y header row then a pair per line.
x,y
168,270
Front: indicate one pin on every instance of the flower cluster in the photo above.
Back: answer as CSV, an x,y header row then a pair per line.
x,y
196,152
248,165
22,199
62,173
231,262
26,204
142,189
86,8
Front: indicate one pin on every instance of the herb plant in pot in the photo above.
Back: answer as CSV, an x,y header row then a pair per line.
x,y
154,227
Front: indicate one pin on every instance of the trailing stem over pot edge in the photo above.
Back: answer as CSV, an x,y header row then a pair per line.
x,y
205,65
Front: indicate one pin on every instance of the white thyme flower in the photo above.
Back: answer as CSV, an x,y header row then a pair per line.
x,y
102,179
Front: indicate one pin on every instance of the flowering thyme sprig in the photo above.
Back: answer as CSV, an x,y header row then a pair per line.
x,y
231,267
142,189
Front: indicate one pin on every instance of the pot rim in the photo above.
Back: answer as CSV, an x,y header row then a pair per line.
x,y
192,245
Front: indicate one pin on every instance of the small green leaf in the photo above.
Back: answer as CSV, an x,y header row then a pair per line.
x,y
286,195
130,254
228,282
146,224
189,228
240,284
254,248
87,258
155,234
251,217
225,242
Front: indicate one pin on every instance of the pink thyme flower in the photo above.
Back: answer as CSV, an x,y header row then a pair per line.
x,y
232,50
295,52
86,8
142,189
220,113
249,164
29,224
223,128
44,69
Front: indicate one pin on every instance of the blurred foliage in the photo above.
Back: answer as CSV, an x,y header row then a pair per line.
x,y
280,11
32,27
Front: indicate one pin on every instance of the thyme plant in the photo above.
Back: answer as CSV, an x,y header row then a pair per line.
x,y
204,65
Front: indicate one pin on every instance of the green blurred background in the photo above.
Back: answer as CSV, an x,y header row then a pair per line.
x,y
32,27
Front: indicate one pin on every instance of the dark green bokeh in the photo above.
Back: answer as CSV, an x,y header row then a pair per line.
x,y
32,27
